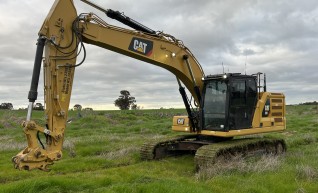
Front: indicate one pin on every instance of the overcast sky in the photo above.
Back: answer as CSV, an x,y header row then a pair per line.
x,y
278,37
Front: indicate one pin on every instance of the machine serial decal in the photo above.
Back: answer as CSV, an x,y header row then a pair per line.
x,y
141,46
66,80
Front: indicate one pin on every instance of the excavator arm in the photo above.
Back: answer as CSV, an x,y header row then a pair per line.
x,y
61,38
162,50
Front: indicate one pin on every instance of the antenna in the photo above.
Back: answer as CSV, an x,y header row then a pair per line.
x,y
245,62
223,67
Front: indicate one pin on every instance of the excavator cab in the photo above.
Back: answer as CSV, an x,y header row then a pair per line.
x,y
229,102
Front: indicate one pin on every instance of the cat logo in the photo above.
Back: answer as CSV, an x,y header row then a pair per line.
x,y
141,46
180,121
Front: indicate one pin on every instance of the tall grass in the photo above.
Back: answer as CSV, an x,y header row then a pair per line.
x,y
101,154
241,165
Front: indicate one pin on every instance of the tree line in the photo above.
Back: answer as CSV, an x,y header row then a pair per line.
x,y
8,106
124,102
309,103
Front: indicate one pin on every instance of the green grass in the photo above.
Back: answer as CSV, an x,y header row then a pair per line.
x,y
101,154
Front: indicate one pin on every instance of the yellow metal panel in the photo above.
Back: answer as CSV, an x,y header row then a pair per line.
x,y
181,128
241,132
181,123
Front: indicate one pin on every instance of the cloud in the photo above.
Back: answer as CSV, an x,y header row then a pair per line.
x,y
276,37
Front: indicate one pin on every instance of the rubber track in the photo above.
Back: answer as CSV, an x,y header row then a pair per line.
x,y
147,151
208,154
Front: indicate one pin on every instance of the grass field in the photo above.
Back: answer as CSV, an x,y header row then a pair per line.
x,y
101,154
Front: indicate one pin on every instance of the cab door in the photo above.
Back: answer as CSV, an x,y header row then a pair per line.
x,y
243,95
214,109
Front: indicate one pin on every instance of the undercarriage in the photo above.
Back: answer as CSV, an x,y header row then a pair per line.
x,y
208,150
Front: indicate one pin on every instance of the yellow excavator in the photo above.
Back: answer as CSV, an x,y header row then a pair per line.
x,y
224,105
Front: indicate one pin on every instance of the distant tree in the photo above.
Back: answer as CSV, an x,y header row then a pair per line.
x,y
134,107
78,107
8,106
125,100
38,106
